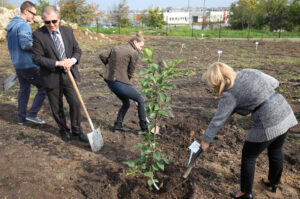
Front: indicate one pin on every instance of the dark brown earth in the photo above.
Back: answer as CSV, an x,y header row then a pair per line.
x,y
35,163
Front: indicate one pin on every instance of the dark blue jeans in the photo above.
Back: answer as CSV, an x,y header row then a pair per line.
x,y
251,151
126,92
27,77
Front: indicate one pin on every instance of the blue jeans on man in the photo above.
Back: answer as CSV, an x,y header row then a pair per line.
x,y
27,77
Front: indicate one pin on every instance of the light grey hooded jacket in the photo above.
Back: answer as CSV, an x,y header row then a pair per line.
x,y
254,92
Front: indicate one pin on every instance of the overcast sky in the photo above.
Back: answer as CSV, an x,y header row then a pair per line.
x,y
144,4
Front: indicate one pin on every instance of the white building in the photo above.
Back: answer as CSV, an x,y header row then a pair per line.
x,y
176,17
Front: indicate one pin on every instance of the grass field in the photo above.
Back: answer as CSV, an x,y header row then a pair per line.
x,y
188,31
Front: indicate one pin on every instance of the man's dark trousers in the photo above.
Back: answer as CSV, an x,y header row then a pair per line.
x,y
55,96
27,77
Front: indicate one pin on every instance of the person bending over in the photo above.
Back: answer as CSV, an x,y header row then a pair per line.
x,y
120,64
244,92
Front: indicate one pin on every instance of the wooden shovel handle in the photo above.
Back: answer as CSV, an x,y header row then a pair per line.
x,y
78,94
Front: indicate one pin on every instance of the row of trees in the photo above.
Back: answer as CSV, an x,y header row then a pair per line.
x,y
275,14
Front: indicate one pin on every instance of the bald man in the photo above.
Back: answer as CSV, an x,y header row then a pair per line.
x,y
55,50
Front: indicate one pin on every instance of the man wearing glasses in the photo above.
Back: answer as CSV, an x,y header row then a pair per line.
x,y
55,50
19,38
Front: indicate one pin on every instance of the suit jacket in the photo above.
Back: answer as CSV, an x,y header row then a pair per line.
x,y
120,62
45,55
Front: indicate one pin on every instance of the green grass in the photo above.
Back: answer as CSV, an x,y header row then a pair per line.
x,y
186,31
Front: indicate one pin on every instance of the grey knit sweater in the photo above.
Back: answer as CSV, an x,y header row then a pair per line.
x,y
254,92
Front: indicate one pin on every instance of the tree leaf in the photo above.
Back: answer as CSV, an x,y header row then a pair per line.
x,y
164,113
156,155
166,160
161,165
130,163
138,145
162,97
152,115
148,174
155,167
149,182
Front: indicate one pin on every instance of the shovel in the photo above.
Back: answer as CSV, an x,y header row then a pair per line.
x,y
191,164
9,82
95,137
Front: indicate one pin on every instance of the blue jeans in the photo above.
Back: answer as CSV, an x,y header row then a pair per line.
x,y
126,92
27,77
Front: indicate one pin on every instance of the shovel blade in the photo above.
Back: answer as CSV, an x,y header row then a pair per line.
x,y
9,82
95,140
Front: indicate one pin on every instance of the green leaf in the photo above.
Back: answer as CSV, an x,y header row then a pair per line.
x,y
148,174
144,72
148,52
152,115
137,145
161,165
131,172
130,163
155,167
166,160
171,114
156,155
168,99
156,108
150,182
162,97
164,113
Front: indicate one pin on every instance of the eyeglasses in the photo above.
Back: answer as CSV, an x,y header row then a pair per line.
x,y
31,12
53,22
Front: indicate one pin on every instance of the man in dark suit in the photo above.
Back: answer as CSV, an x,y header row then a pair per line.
x,y
55,50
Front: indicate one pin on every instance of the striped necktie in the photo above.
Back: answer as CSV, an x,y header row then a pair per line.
x,y
59,45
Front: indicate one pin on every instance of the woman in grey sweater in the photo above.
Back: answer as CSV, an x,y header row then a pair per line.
x,y
244,92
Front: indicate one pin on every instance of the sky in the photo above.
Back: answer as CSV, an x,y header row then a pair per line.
x,y
144,4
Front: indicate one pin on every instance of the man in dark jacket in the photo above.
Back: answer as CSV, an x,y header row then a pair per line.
x,y
55,50
19,38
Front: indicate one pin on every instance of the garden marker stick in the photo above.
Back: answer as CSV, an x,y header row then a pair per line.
x,y
182,46
256,44
202,35
191,164
95,137
219,53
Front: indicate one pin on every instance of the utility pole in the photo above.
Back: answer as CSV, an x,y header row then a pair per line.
x,y
203,18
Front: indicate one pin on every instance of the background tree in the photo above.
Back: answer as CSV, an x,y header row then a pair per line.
x,y
294,16
120,14
276,12
155,18
40,5
78,11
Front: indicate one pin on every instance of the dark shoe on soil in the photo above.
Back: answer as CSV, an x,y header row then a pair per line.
x,y
144,125
65,137
245,196
268,184
118,127
82,137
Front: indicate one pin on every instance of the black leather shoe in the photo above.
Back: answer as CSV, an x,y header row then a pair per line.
x,y
245,196
83,137
65,137
268,184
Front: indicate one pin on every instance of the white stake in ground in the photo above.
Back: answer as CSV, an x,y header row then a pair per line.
x,y
202,35
219,54
256,45
182,46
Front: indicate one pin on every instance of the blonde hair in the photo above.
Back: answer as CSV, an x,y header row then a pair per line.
x,y
219,76
138,37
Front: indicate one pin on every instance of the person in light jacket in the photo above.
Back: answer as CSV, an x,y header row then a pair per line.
x,y
120,64
244,92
